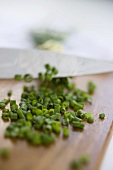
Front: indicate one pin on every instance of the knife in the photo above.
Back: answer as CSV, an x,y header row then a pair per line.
x,y
22,61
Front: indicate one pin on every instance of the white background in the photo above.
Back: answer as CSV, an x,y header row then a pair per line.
x,y
90,21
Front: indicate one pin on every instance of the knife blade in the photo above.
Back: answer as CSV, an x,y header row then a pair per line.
x,y
22,61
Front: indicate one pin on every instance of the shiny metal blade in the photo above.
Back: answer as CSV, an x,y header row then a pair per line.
x,y
21,61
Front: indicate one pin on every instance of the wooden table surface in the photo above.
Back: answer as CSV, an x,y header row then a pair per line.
x,y
93,140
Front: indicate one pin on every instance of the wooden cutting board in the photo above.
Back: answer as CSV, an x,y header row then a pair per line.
x,y
93,140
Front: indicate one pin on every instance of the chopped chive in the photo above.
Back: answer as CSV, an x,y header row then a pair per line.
x,y
44,112
2,105
90,120
77,124
91,87
102,115
65,132
9,93
28,77
5,153
18,77
5,115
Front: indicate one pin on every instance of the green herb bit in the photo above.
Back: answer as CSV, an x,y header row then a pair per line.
x,y
5,153
13,116
29,116
65,132
9,93
90,120
78,164
28,77
56,126
36,139
78,125
18,77
14,107
5,101
77,119
84,159
91,87
41,76
79,113
65,121
102,115
5,116
47,128
54,71
76,105
88,115
2,105
75,164
48,76
20,114
12,102
47,139
48,67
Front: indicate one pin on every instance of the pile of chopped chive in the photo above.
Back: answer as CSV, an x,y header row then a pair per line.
x,y
43,113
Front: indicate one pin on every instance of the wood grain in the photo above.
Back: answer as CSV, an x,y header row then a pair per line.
x,y
92,141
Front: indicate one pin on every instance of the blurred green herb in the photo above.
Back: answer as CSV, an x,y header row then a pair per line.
x,y
48,39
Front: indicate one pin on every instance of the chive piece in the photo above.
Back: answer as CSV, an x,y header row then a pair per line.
x,y
77,119
90,120
54,71
80,163
13,116
18,77
5,115
5,153
65,121
2,105
102,115
48,67
56,127
91,87
28,77
41,76
20,114
47,128
29,116
84,159
47,139
88,115
79,113
78,125
65,132
75,164
9,93
36,140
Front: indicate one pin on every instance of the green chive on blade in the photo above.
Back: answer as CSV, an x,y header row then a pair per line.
x,y
28,77
18,77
